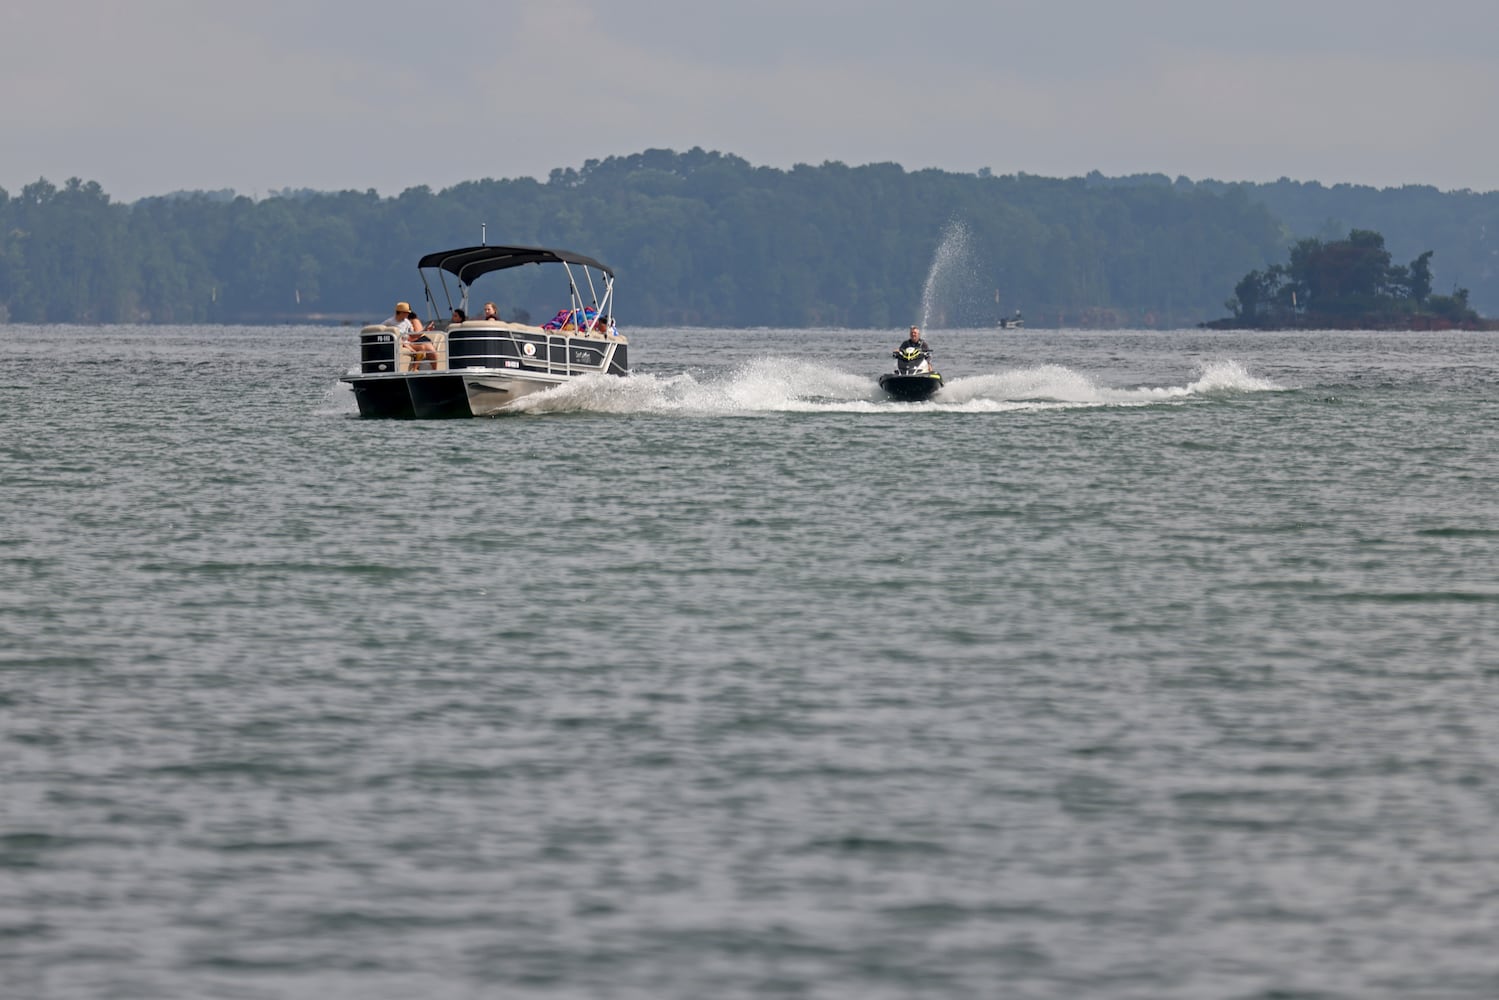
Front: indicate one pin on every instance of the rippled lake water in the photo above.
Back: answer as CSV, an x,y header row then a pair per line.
x,y
1145,665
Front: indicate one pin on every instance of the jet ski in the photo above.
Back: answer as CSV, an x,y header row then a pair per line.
x,y
913,378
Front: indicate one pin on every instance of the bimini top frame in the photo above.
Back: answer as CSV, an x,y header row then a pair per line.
x,y
468,264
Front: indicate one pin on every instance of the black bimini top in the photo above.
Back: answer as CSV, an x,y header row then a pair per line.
x,y
468,263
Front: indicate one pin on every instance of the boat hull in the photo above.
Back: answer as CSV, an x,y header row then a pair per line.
x,y
417,396
441,395
912,387
482,369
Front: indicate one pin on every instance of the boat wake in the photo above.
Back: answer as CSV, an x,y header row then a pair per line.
x,y
784,385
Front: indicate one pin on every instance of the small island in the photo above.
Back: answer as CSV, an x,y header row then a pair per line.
x,y
1347,285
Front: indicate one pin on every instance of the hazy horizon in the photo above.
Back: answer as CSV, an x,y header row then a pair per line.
x,y
169,95
295,189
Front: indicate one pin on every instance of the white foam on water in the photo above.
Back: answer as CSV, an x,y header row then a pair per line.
x,y
1226,377
762,385
779,384
338,399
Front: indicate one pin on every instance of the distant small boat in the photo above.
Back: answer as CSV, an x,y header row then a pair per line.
x,y
914,379
1012,322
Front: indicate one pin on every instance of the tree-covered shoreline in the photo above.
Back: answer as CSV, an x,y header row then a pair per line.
x,y
1347,284
698,238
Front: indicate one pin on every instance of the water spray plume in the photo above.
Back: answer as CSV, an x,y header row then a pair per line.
x,y
949,265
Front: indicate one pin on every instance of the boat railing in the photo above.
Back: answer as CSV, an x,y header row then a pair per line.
x,y
564,353
493,346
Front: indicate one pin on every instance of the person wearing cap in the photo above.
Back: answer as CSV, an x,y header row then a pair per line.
x,y
402,319
411,338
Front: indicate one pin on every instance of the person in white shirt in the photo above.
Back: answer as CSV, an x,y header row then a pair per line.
x,y
411,338
402,319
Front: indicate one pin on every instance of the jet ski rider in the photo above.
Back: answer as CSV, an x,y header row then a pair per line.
x,y
913,341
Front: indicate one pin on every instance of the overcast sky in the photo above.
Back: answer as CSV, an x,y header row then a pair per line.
x,y
152,96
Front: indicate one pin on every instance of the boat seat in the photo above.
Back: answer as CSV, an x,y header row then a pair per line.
x,y
439,342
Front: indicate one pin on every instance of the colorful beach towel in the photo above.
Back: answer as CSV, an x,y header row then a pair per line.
x,y
571,319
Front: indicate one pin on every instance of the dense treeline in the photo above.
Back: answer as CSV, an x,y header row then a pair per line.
x,y
1346,284
1461,228
695,238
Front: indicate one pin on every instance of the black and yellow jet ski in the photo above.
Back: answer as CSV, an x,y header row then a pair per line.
x,y
914,378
